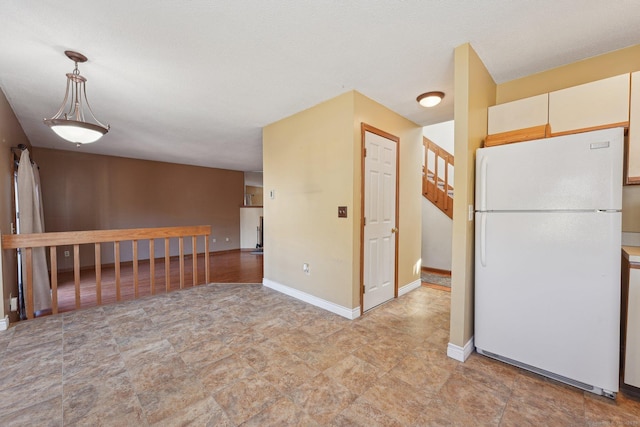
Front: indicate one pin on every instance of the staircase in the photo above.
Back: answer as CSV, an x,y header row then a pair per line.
x,y
437,176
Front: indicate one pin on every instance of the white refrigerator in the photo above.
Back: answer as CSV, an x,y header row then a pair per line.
x,y
547,256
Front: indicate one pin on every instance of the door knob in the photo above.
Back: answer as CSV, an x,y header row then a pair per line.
x,y
394,230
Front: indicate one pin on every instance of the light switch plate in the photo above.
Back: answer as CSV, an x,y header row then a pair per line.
x,y
342,211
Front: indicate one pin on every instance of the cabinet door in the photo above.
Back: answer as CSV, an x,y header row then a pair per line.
x,y
517,121
519,114
596,105
633,149
632,347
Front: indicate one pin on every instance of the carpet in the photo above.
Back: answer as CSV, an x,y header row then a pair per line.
x,y
435,279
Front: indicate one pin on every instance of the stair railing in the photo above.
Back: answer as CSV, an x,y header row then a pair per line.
x,y
436,176
28,242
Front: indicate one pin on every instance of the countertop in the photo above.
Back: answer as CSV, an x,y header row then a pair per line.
x,y
632,253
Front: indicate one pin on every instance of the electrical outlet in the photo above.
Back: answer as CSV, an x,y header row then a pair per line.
x,y
226,239
67,254
305,268
213,239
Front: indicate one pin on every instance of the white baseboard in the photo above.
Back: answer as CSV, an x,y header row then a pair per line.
x,y
408,288
460,353
4,323
349,313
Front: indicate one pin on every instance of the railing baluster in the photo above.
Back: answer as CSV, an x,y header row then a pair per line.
x,y
446,182
206,259
53,257
27,242
194,255
436,178
76,273
437,188
116,264
167,260
29,293
135,268
98,274
152,265
181,240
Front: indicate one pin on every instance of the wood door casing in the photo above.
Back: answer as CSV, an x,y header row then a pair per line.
x,y
389,242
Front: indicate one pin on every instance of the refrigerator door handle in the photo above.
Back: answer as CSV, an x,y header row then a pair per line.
x,y
483,184
483,239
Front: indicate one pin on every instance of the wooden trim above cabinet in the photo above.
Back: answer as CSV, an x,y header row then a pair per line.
x,y
544,131
520,135
633,180
624,125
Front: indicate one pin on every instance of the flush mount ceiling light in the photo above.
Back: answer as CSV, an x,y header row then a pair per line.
x,y
430,99
71,125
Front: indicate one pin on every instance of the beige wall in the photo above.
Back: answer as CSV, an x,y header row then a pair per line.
x,y
599,67
410,176
308,164
475,92
11,134
311,161
595,68
84,191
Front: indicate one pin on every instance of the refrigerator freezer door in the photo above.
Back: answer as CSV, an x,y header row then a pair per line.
x,y
573,172
548,292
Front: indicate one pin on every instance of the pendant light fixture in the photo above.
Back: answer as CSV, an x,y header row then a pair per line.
x,y
430,99
71,125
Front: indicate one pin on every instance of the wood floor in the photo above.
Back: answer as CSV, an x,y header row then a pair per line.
x,y
226,267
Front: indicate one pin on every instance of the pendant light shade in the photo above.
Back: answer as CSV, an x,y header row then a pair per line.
x,y
69,122
75,131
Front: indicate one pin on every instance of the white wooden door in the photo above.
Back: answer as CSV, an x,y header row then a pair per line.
x,y
380,220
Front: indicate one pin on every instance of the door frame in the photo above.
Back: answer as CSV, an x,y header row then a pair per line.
x,y
363,129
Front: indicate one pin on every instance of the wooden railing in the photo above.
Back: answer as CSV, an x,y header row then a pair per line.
x,y
436,180
27,242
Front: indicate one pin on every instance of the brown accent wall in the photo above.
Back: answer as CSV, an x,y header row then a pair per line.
x,y
84,191
11,134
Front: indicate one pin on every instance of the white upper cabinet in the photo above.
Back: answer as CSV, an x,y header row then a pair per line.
x,y
606,103
599,104
633,153
519,114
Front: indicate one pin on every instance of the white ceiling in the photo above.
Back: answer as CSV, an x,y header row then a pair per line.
x,y
194,81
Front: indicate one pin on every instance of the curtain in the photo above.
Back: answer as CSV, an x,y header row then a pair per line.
x,y
31,220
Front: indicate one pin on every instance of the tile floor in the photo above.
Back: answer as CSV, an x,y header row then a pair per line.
x,y
246,355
